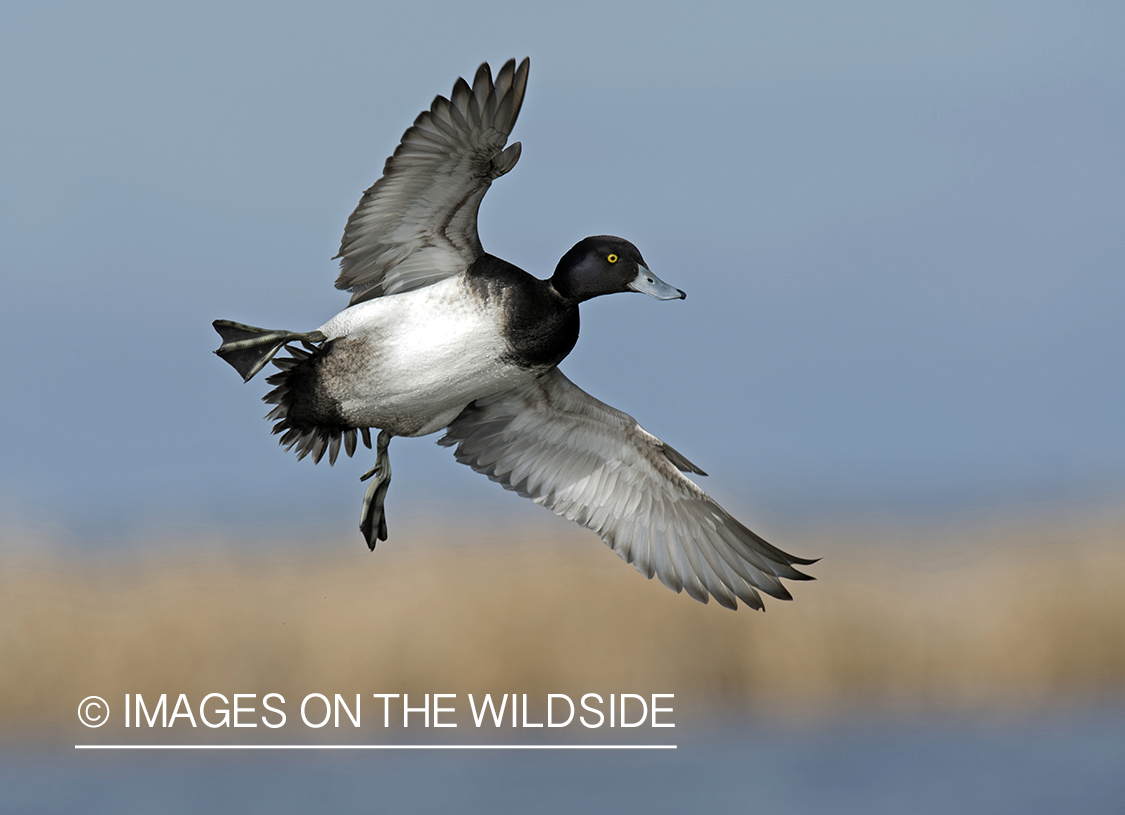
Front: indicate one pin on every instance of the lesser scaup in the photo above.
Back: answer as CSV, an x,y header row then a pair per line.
x,y
441,335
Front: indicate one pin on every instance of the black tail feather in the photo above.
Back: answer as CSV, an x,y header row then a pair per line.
x,y
306,431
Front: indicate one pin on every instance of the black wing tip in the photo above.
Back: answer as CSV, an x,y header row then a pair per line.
x,y
510,65
518,73
804,562
510,81
679,460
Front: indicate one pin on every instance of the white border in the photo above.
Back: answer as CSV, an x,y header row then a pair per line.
x,y
375,747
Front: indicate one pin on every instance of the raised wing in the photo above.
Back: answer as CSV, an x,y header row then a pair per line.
x,y
552,442
418,223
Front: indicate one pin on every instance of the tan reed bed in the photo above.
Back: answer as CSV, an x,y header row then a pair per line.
x,y
1005,618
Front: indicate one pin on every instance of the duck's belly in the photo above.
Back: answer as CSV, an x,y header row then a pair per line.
x,y
410,363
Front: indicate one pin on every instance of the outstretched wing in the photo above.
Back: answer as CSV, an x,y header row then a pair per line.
x,y
552,442
418,223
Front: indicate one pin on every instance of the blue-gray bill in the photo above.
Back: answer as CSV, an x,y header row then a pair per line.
x,y
647,283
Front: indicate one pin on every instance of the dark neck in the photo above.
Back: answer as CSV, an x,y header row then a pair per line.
x,y
540,324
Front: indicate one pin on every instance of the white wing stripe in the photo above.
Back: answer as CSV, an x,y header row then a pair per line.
x,y
560,447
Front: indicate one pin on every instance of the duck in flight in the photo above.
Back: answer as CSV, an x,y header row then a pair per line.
x,y
439,334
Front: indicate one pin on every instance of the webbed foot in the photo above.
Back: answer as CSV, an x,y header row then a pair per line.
x,y
248,349
373,523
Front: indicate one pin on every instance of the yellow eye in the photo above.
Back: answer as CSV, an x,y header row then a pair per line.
x,y
612,258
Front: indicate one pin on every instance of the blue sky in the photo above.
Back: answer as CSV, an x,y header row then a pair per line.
x,y
900,230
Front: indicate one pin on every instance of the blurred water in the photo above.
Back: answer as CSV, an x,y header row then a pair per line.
x,y
1071,763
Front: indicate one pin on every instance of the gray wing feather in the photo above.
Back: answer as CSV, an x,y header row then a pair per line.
x,y
418,223
552,442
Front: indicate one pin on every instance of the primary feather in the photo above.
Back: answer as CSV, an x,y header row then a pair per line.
x,y
418,223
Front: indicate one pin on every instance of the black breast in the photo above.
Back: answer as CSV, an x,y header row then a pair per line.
x,y
540,326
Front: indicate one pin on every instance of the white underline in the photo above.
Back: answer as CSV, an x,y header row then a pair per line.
x,y
375,747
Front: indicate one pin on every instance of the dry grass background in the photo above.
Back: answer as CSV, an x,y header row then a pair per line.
x,y
998,617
